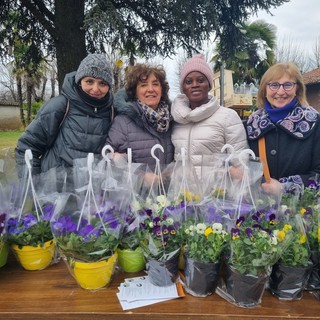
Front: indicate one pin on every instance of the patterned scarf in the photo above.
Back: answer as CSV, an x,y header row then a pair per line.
x,y
300,122
159,118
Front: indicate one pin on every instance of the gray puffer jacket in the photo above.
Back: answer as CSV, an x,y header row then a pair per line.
x,y
130,129
55,142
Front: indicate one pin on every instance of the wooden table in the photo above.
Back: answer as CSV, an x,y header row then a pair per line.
x,y
53,294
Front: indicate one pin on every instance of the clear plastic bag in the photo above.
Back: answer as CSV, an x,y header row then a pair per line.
x,y
159,230
28,226
290,275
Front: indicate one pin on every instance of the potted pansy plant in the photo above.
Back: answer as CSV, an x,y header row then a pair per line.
x,y
30,237
87,228
257,241
290,274
130,254
28,228
4,247
309,209
204,246
88,244
159,239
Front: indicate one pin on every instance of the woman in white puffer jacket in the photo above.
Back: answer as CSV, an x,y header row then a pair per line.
x,y
202,126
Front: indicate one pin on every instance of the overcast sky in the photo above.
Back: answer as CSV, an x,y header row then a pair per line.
x,y
297,20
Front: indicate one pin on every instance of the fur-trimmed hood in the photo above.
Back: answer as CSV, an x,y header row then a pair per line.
x,y
124,106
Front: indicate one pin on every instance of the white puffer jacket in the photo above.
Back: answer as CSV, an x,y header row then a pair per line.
x,y
205,130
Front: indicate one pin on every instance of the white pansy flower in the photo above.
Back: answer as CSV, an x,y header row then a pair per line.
x,y
283,208
191,229
149,202
263,234
162,200
136,206
200,228
217,227
169,221
155,207
274,240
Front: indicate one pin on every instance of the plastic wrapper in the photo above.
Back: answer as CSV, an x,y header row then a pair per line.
x,y
130,254
4,247
8,177
290,275
8,172
202,241
242,290
159,229
218,183
287,282
309,208
185,191
201,278
232,186
257,241
87,225
314,279
28,226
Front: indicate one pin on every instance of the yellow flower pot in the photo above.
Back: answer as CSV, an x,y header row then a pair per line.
x,y
94,275
35,258
131,260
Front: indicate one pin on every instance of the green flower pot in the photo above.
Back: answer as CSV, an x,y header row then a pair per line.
x,y
4,250
131,260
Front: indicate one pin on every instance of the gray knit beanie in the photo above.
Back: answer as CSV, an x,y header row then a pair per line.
x,y
96,66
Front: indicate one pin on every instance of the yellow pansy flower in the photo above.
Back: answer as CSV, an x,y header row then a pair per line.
x,y
208,231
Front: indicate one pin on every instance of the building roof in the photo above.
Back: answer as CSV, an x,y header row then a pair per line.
x,y
312,76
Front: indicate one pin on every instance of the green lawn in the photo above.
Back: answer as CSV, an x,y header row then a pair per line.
x,y
8,139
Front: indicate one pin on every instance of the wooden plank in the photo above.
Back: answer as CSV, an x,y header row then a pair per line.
x,y
53,294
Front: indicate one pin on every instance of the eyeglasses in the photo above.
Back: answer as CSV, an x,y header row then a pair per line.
x,y
287,86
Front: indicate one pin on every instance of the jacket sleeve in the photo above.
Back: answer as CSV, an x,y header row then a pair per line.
x,y
118,134
235,133
294,184
40,134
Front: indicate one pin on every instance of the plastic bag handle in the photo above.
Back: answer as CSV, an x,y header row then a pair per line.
x,y
107,155
156,146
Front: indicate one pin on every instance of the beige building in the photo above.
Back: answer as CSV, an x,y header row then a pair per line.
x,y
10,116
240,99
312,82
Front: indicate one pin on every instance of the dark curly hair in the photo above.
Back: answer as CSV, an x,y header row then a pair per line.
x,y
142,71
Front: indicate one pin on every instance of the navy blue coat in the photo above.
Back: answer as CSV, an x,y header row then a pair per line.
x,y
292,144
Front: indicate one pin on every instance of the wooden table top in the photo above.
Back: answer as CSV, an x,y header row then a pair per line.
x,y
53,294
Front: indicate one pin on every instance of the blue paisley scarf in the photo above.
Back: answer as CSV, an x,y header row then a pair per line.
x,y
299,122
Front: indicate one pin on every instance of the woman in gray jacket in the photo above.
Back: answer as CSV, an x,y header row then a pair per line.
x,y
73,124
143,116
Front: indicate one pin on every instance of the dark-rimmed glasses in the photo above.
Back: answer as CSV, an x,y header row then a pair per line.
x,y
287,86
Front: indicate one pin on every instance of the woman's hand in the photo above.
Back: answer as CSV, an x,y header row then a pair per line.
x,y
120,159
236,173
150,179
273,187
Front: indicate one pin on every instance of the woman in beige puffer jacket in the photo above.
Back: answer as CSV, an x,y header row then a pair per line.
x,y
202,126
